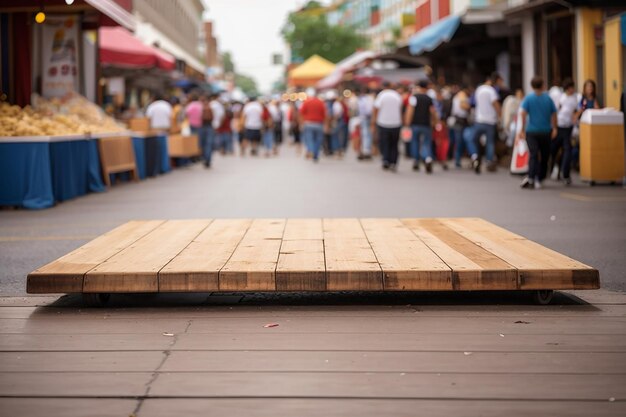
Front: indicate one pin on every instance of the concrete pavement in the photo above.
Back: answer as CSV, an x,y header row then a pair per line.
x,y
586,223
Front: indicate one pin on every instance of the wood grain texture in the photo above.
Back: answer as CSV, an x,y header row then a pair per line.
x,y
473,267
407,263
301,266
538,266
197,266
135,269
65,275
303,229
311,255
350,261
252,266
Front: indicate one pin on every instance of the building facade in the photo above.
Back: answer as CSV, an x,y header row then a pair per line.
x,y
578,39
176,26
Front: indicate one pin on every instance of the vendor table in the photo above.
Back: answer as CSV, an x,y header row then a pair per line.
x,y
310,255
37,171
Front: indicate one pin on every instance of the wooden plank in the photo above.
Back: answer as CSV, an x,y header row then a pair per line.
x,y
68,407
65,275
473,267
197,267
301,266
486,342
47,384
80,361
323,361
135,269
407,263
303,229
351,264
362,407
538,266
391,385
252,266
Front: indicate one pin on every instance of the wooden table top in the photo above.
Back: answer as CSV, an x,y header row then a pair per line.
x,y
388,254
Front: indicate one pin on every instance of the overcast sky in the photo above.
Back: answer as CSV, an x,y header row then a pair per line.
x,y
250,30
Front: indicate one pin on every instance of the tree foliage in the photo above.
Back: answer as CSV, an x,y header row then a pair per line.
x,y
245,82
227,62
309,34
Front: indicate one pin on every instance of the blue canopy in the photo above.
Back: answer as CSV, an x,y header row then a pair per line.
x,y
434,35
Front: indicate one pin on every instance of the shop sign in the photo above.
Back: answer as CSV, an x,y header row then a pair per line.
x,y
60,56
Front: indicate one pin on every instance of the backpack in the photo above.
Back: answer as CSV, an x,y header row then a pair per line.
x,y
207,113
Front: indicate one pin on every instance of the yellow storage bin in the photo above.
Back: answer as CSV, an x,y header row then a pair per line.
x,y
602,146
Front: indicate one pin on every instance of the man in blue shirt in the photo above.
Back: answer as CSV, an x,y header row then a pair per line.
x,y
539,129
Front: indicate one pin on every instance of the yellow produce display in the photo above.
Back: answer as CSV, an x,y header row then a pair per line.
x,y
73,116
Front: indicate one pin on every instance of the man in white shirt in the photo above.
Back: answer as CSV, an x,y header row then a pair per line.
x,y
566,117
486,117
160,114
337,126
387,119
252,122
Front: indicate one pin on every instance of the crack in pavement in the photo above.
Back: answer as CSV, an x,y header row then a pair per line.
x,y
156,373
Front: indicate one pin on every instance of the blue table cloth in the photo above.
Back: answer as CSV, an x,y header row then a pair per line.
x,y
164,154
25,175
140,156
151,155
36,174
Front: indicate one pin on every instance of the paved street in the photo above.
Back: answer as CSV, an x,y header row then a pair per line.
x,y
586,223
344,353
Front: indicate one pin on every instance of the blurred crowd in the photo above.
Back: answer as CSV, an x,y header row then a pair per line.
x,y
427,123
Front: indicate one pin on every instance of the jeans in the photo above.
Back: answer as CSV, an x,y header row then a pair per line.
x,y
313,138
206,135
539,148
366,135
268,139
489,131
226,141
563,140
422,137
464,141
389,137
338,137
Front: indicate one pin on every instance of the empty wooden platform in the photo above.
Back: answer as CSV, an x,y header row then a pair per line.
x,y
310,255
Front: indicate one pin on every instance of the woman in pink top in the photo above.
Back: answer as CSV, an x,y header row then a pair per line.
x,y
194,111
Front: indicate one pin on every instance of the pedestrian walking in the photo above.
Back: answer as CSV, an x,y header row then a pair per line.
x,y
225,132
193,112
252,122
313,119
420,115
566,117
461,108
218,114
207,139
589,98
277,124
160,114
293,117
539,129
487,113
365,106
267,131
387,119
406,93
336,124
